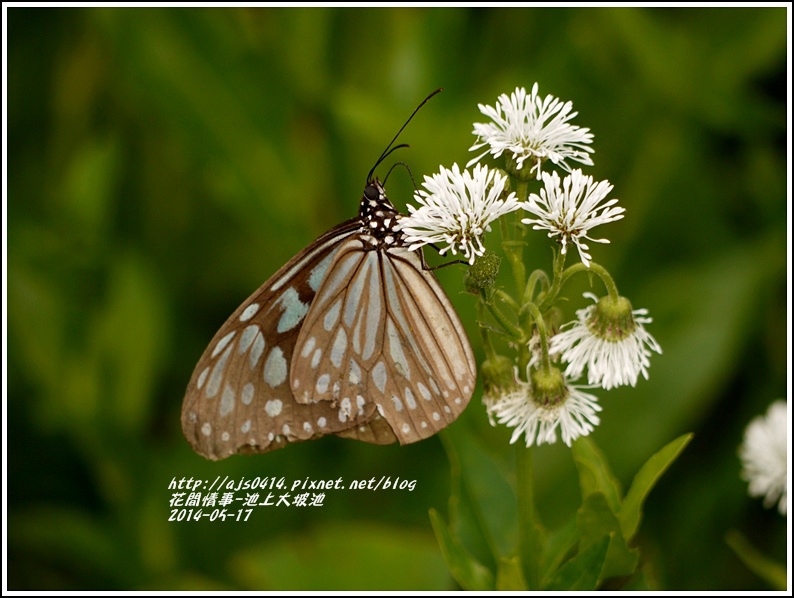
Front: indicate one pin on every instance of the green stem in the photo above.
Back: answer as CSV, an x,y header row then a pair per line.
x,y
543,334
534,278
529,531
513,248
511,303
562,278
490,352
505,322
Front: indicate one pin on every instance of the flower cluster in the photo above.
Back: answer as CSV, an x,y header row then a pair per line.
x,y
608,340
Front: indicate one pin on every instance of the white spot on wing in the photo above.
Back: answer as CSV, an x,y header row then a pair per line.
x,y
249,312
307,427
206,429
345,410
285,429
355,372
436,416
318,273
225,437
321,422
202,377
332,316
339,348
246,338
214,385
308,347
397,403
379,376
223,342
322,384
275,368
406,428
316,358
396,349
423,390
273,407
247,395
293,309
227,401
256,350
409,399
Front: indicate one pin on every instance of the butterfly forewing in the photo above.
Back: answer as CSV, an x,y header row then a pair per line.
x,y
239,397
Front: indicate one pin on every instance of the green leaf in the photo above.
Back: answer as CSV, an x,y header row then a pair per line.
x,y
772,572
596,521
594,472
510,575
467,571
491,495
559,545
582,572
644,481
465,521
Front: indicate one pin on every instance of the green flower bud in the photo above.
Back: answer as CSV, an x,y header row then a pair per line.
x,y
482,274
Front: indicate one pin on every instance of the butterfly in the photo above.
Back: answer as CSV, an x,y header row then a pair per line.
x,y
352,337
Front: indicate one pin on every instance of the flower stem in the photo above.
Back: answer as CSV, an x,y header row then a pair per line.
x,y
537,318
514,248
510,328
490,352
600,271
529,531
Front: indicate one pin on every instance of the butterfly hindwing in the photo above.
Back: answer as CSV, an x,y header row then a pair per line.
x,y
382,332
239,397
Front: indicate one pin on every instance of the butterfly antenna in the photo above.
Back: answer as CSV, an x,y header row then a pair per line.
x,y
389,149
408,168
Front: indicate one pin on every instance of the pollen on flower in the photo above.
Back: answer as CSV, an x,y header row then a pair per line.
x,y
530,129
456,209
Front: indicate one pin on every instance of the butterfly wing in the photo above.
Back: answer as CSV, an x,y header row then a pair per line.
x,y
382,333
238,399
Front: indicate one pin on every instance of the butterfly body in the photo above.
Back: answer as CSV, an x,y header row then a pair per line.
x,y
352,337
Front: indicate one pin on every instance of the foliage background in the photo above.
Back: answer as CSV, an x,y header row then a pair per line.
x,y
163,162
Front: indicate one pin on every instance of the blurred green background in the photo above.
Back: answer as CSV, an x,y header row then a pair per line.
x,y
162,163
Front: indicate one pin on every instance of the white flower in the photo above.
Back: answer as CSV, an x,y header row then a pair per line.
x,y
764,458
570,211
457,209
532,129
610,341
538,420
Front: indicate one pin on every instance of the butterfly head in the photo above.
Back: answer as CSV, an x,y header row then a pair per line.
x,y
378,216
